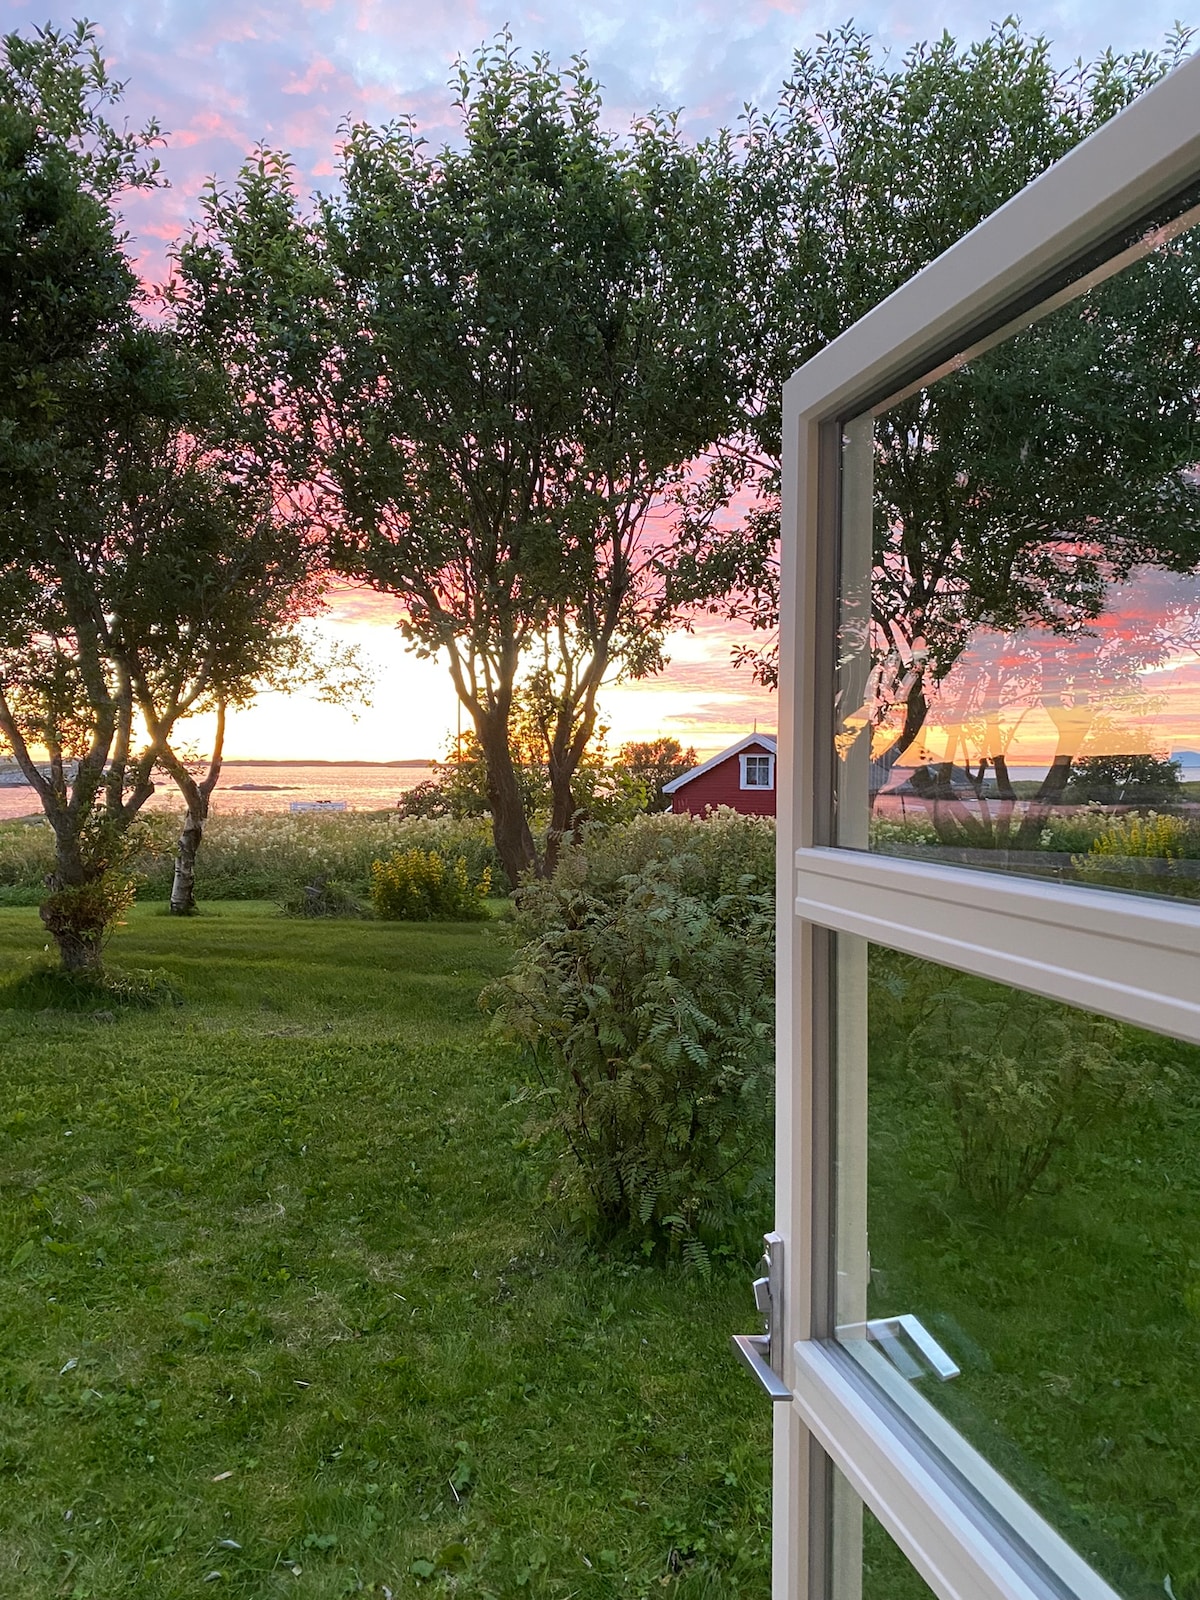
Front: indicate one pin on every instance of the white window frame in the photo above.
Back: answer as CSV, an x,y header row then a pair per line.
x,y
757,755
1131,957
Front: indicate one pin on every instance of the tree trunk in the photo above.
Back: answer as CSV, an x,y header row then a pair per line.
x,y
563,818
1054,784
183,885
78,951
510,826
197,797
67,918
1004,786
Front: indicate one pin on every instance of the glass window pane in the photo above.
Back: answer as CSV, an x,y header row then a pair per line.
x,y
1029,1264
1019,674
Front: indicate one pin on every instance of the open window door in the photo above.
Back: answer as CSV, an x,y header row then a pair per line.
x,y
980,1310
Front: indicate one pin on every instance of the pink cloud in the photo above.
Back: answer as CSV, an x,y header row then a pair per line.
x,y
319,73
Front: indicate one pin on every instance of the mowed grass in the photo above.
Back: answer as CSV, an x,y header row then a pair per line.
x,y
285,1311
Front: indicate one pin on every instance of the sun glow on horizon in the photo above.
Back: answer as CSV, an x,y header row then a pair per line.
x,y
701,698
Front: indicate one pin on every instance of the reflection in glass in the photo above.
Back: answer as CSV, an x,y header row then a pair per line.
x,y
1019,640
1031,1180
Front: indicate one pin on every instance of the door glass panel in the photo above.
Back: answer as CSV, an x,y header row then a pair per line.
x,y
1019,639
1029,1268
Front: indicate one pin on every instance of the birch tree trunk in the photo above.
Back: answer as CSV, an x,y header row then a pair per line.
x,y
197,797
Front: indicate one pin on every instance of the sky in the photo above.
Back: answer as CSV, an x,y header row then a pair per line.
x,y
222,75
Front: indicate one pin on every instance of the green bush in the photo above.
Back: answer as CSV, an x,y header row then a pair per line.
x,y
44,986
323,897
1154,852
644,998
424,886
1024,1077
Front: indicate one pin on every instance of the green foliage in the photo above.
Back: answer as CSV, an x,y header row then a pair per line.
x,y
499,357
845,191
42,987
645,999
603,790
323,897
87,911
1124,780
150,570
725,850
423,886
1157,852
1023,1082
58,80
263,855
26,854
1155,836
654,762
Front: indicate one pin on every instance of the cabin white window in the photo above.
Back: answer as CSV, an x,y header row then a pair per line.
x,y
758,772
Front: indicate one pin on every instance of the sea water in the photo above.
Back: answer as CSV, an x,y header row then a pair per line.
x,y
254,787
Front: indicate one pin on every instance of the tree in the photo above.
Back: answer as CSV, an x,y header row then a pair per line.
x,y
1016,493
71,363
860,176
140,566
1126,780
654,762
275,586
490,366
604,792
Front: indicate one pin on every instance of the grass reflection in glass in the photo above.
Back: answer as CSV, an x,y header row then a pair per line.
x,y
1035,1200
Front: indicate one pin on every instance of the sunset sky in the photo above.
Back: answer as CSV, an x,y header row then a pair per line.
x,y
221,75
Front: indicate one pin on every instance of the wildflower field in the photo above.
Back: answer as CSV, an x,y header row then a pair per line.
x,y
261,855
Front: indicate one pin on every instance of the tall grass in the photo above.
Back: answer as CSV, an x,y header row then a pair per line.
x,y
260,855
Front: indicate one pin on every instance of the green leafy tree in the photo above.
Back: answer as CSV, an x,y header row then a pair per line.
x,y
605,791
1125,780
490,365
654,762
141,569
861,174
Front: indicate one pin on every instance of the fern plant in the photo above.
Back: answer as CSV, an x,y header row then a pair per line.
x,y
645,1003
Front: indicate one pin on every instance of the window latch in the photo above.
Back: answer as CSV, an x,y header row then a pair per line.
x,y
760,1353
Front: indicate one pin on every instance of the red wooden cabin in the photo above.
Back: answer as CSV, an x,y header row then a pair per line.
x,y
742,777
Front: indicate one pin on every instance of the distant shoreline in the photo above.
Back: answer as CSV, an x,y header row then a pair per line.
x,y
248,761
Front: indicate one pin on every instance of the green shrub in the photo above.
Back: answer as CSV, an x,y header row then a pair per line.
x,y
323,897
423,886
1153,852
725,851
1023,1077
49,987
645,1001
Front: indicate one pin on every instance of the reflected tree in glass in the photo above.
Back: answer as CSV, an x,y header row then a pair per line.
x,y
1014,499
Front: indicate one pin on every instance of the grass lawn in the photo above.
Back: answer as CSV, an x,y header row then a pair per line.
x,y
1075,1318
284,1311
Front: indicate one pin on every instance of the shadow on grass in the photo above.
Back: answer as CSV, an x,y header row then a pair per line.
x,y
44,986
